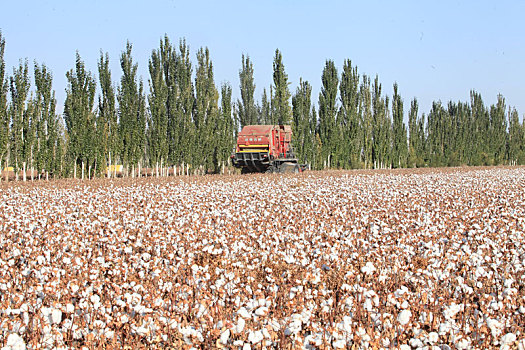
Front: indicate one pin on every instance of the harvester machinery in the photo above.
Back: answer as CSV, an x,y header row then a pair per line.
x,y
266,148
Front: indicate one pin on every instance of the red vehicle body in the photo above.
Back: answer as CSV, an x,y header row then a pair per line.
x,y
265,148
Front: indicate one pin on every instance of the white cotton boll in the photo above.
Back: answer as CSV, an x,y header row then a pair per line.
x,y
508,338
463,344
246,346
240,325
128,250
405,305
289,259
495,327
255,337
368,269
56,316
451,311
266,333
432,337
339,344
142,331
243,313
415,343
367,305
70,308
404,317
108,333
224,337
15,342
74,288
95,299
405,347
262,311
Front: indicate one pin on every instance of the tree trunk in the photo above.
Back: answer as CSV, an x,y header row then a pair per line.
x,y
89,172
24,171
82,170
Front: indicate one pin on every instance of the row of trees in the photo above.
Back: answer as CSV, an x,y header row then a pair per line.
x,y
184,119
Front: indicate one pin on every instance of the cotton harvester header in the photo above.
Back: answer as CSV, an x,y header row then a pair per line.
x,y
266,148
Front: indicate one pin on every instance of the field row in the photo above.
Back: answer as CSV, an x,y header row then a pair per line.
x,y
318,260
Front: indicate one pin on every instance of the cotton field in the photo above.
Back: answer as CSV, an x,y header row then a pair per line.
x,y
320,260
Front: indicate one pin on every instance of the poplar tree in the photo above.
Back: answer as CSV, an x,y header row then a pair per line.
x,y
302,133
206,113
498,131
480,130
516,149
366,122
158,145
399,129
184,106
280,103
226,126
46,121
79,115
107,121
247,110
349,118
381,130
4,116
328,130
20,115
132,112
265,113
414,146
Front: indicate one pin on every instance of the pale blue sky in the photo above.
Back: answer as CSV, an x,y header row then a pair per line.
x,y
435,50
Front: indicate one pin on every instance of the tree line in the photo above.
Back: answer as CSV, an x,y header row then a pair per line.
x,y
183,119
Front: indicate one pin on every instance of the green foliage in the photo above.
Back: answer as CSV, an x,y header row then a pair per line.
x,y
79,116
206,114
182,94
225,126
158,146
107,119
4,116
132,111
399,151
246,108
366,122
280,103
303,132
181,121
47,122
265,112
381,130
328,131
20,113
516,148
416,143
498,131
349,118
